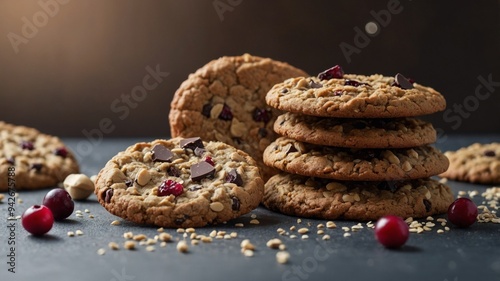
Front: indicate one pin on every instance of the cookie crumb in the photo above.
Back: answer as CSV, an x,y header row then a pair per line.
x,y
181,230
150,248
330,224
254,221
248,253
320,226
115,222
206,239
347,234
234,234
129,245
160,229
282,257
139,237
274,243
195,242
320,232
239,224
101,251
293,236
299,221
440,231
182,247
71,234
128,235
303,230
113,246
292,228
325,237
247,245
79,232
304,237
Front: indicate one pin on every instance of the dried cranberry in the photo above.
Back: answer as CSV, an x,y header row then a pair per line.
x,y
206,110
334,72
462,212
392,231
61,151
168,187
262,115
226,113
27,145
353,83
209,160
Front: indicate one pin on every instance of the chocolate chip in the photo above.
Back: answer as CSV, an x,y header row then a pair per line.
x,y
234,177
194,187
315,85
206,110
226,113
191,143
235,203
129,182
489,153
199,151
428,205
36,166
284,91
292,149
402,82
262,132
202,170
173,171
353,83
107,195
161,154
333,72
11,160
27,145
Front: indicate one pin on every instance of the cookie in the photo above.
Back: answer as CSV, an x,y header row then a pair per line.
x,y
354,164
329,199
477,163
356,133
225,101
180,183
354,96
38,160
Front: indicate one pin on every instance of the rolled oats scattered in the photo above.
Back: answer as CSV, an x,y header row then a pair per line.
x,y
254,221
113,246
87,211
292,228
128,235
303,230
440,231
129,245
190,230
79,232
248,253
227,237
247,245
304,237
213,233
165,237
71,234
325,237
239,224
320,226
409,220
320,232
274,243
299,220
330,224
234,234
150,241
150,248
293,236
101,251
282,247
429,218
347,234
195,242
345,228
115,222
206,239
139,237
181,230
282,257
182,247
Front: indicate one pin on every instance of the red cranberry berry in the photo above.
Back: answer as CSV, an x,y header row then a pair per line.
x,y
226,113
27,145
462,212
489,153
209,160
60,203
334,72
61,151
262,115
206,110
37,220
353,83
168,187
392,231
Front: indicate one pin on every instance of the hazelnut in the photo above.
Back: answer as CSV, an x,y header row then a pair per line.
x,y
79,186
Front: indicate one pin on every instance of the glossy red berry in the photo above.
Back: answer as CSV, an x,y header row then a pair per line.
x,y
37,220
168,187
462,212
334,72
392,231
60,203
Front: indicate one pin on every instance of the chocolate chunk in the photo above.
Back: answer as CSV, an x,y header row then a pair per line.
x,y
129,182
191,143
226,113
314,85
284,91
234,177
402,82
199,151
489,153
107,195
235,203
173,171
428,205
206,110
202,170
162,154
292,149
36,166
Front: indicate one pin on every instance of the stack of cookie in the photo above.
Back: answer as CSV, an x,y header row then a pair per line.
x,y
351,148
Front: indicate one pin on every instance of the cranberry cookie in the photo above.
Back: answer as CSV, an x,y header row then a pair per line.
x,y
335,94
180,183
477,163
39,160
354,164
356,133
225,101
329,199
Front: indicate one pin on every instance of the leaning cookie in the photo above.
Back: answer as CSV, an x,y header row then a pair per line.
x,y
180,183
34,160
354,164
363,201
477,163
335,94
225,101
356,133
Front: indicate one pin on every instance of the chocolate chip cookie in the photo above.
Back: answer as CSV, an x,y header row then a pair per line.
x,y
354,164
225,101
329,199
355,96
39,160
356,133
477,163
180,183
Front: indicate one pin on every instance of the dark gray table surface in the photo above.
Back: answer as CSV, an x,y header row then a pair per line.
x,y
456,255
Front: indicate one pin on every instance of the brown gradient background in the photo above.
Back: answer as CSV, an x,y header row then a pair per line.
x,y
66,77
